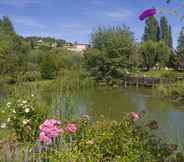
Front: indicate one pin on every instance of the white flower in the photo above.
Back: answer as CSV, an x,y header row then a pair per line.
x,y
27,110
24,102
8,120
25,121
3,125
32,108
14,111
32,95
25,106
8,104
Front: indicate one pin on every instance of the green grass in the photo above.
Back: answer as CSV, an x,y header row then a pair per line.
x,y
174,91
162,73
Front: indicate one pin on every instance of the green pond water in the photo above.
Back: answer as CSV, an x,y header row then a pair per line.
x,y
113,103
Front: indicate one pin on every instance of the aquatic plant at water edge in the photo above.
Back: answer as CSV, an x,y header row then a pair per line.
x,y
174,91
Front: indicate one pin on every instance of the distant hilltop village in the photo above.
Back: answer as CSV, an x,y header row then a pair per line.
x,y
38,42
77,47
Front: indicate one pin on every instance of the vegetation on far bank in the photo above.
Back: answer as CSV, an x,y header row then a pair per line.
x,y
174,91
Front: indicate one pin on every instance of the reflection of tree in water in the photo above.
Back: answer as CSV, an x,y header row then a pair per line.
x,y
139,100
112,103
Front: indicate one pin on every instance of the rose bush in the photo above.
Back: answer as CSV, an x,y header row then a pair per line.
x,y
124,141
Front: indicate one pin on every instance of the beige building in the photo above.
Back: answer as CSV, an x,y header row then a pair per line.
x,y
78,47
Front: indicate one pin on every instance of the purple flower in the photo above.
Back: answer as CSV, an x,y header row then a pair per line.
x,y
147,13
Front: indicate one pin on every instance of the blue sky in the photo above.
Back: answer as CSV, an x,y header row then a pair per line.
x,y
74,20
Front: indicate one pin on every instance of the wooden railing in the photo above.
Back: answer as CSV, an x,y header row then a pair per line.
x,y
148,81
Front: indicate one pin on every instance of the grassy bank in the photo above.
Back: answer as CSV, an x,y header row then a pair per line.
x,y
174,91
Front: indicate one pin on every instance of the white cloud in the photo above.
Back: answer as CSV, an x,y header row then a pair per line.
x,y
73,26
20,3
115,14
98,2
76,29
119,14
28,22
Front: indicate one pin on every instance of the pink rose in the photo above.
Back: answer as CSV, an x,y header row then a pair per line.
x,y
135,116
44,139
71,128
50,130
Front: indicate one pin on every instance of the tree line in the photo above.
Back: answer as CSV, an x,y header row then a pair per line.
x,y
22,59
115,52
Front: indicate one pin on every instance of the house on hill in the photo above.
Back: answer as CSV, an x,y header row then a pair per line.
x,y
78,47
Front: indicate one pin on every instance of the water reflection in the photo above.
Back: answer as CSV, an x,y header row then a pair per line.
x,y
112,103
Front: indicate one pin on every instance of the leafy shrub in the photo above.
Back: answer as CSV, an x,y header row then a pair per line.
x,y
24,116
153,53
122,141
174,91
48,67
113,50
10,79
125,141
29,76
74,79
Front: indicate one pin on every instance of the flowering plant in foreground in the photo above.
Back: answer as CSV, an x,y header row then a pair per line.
x,y
49,130
135,116
71,128
24,115
127,140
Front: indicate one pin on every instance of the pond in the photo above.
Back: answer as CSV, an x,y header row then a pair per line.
x,y
113,103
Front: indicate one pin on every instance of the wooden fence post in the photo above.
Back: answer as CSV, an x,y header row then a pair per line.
x,y
137,83
125,83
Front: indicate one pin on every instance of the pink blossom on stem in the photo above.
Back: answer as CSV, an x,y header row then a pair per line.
x,y
71,128
135,116
50,130
44,139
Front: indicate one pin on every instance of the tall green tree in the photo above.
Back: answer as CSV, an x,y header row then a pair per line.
x,y
165,32
170,37
152,30
115,47
153,53
12,51
180,47
6,25
48,67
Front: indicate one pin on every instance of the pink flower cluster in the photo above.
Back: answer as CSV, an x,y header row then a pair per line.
x,y
135,116
71,128
49,130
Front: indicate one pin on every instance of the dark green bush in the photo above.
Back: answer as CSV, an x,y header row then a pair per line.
x,y
29,76
48,67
